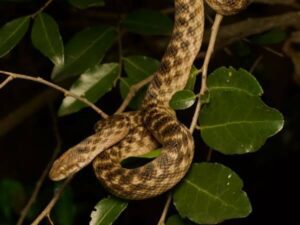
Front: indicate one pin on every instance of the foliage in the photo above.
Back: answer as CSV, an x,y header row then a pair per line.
x,y
233,120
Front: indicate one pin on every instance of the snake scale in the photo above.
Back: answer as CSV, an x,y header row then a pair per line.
x,y
155,124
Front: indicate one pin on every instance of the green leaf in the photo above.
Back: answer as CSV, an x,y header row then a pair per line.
x,y
65,208
86,3
228,79
140,160
192,79
148,22
182,99
236,120
274,36
46,38
11,34
175,220
85,50
137,69
107,211
92,84
12,196
210,194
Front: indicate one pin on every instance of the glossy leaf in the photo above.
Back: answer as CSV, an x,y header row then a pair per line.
x,y
236,120
175,220
92,84
85,50
137,69
86,3
192,79
11,33
210,194
46,38
228,79
107,211
148,22
182,99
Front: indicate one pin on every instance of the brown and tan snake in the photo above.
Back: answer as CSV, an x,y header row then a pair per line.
x,y
136,133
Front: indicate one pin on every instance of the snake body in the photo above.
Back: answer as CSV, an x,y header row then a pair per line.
x,y
135,133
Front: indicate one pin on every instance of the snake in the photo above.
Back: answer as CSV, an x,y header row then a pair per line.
x,y
155,125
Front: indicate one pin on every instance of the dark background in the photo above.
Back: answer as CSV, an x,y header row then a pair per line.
x,y
27,142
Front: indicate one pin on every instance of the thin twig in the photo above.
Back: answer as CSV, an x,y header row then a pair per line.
x,y
6,81
255,64
56,87
41,9
210,49
165,210
44,174
52,203
132,91
49,219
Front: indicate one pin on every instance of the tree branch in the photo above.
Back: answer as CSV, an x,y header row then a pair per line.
x,y
56,87
53,201
210,49
132,92
45,172
240,30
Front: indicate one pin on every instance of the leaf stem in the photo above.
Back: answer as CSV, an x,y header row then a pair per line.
x,y
41,9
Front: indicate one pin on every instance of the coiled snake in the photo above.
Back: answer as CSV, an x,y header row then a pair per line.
x,y
135,133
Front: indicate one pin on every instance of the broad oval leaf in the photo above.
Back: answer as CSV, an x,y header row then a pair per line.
x,y
85,50
137,69
229,79
11,33
107,211
92,84
182,99
235,121
148,22
210,194
46,38
86,3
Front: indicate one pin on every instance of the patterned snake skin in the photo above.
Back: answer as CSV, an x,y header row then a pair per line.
x,y
136,133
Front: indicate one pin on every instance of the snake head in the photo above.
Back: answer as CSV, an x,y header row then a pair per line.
x,y
228,7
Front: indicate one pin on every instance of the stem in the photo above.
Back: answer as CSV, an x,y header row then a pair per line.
x,y
132,92
210,49
52,203
165,210
41,9
56,87
44,174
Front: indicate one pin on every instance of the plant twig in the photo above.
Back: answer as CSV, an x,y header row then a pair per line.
x,y
210,49
56,87
6,81
52,203
165,210
255,64
41,9
132,91
44,174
